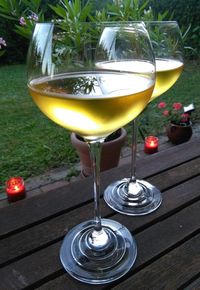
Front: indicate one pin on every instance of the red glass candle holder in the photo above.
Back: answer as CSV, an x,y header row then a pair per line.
x,y
151,145
15,189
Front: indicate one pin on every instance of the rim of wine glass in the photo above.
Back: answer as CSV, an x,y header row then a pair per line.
x,y
109,23
112,23
164,22
140,24
137,24
167,22
160,21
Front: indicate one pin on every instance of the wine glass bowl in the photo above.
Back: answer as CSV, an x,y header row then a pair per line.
x,y
92,79
86,76
132,196
168,50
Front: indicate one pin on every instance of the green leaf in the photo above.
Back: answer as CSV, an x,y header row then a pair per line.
x,y
7,17
2,52
144,6
32,5
60,11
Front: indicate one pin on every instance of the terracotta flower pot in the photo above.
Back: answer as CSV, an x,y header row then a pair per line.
x,y
178,134
110,152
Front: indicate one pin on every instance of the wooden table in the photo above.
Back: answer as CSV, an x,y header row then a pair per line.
x,y
168,240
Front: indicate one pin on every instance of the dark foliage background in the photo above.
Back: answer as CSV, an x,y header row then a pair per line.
x,y
17,45
186,12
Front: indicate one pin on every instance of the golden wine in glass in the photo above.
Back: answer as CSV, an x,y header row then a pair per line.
x,y
132,196
90,79
167,73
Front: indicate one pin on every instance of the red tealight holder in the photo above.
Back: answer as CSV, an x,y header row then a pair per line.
x,y
151,145
15,189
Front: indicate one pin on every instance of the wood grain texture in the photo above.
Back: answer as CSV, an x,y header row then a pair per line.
x,y
32,230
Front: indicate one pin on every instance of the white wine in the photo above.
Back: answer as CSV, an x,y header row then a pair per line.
x,y
167,73
92,104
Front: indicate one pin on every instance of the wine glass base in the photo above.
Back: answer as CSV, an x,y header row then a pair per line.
x,y
144,199
99,264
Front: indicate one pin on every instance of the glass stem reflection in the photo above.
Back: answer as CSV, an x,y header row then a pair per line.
x,y
95,155
133,151
133,189
98,237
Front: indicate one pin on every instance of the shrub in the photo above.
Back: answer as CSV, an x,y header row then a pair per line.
x,y
186,12
13,30
16,45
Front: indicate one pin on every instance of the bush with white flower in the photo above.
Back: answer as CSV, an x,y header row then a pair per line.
x,y
27,24
2,46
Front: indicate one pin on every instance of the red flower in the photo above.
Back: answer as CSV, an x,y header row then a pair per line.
x,y
166,113
185,117
174,113
177,106
162,105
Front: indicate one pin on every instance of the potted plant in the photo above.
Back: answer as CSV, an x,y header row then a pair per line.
x,y
179,127
111,149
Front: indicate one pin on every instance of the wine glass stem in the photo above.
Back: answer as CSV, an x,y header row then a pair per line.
x,y
95,154
133,151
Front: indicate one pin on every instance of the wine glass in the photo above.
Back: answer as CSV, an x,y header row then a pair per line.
x,y
132,196
93,78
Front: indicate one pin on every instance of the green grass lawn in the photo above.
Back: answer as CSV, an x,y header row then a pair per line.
x,y
31,144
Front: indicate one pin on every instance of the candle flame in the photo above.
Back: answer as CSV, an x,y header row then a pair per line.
x,y
152,143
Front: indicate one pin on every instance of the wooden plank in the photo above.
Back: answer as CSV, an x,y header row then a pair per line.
x,y
195,285
62,283
176,175
152,242
17,277
30,211
18,215
51,230
174,200
45,233
169,233
170,271
168,158
161,161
